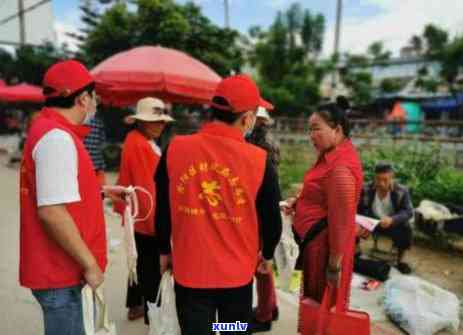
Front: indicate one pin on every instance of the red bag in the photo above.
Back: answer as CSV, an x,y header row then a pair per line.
x,y
317,319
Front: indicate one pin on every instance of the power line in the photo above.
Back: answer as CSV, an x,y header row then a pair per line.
x,y
28,9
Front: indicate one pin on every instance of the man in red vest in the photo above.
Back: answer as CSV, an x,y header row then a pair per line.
x,y
212,190
63,239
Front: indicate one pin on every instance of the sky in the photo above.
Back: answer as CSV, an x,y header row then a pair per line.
x,y
364,21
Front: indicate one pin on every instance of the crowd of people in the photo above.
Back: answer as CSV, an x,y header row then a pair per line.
x,y
216,216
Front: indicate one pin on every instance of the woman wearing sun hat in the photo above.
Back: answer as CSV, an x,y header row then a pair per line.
x,y
140,157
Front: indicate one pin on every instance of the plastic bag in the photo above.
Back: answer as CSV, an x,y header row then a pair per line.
x,y
95,313
421,308
433,211
286,254
163,313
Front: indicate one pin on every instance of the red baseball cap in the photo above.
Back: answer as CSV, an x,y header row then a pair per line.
x,y
65,78
241,93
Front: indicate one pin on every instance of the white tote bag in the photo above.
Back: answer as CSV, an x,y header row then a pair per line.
x,y
95,312
130,217
163,313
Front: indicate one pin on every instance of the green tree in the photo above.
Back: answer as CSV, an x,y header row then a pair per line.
x,y
390,85
7,66
293,23
285,59
416,43
360,85
377,53
90,18
313,28
355,75
427,84
449,53
32,62
114,32
219,48
436,39
452,62
165,23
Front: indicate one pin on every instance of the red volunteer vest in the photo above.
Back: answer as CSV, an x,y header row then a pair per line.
x,y
214,178
43,264
138,165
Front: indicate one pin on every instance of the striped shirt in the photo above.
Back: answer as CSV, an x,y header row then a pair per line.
x,y
95,141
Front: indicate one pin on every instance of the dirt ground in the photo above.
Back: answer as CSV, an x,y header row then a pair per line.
x,y
20,314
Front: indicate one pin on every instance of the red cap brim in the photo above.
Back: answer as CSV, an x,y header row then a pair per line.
x,y
267,105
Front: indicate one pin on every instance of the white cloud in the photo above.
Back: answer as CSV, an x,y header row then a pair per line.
x,y
397,21
68,22
62,30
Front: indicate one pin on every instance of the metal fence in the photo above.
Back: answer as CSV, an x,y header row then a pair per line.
x,y
371,133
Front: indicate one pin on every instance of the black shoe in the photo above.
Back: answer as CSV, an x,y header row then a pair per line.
x,y
404,268
256,326
275,314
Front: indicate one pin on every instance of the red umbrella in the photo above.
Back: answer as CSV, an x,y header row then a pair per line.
x,y
21,93
161,72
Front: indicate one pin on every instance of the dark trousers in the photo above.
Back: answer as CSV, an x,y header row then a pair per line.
x,y
400,234
197,308
148,273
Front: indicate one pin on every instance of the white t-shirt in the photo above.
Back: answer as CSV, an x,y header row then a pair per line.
x,y
56,169
383,207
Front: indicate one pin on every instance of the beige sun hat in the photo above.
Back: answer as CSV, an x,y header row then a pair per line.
x,y
150,110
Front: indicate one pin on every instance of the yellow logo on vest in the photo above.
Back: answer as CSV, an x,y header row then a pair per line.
x,y
211,188
211,181
209,192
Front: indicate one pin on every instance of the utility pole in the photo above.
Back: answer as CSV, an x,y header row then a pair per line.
x,y
337,38
22,23
227,14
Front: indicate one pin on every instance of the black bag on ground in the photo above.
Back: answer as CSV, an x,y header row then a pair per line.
x,y
376,269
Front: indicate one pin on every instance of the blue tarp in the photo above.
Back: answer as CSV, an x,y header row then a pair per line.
x,y
446,103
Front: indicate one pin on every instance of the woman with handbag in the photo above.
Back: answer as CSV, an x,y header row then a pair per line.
x,y
324,211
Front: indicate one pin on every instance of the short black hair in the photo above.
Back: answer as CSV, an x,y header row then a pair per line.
x,y
65,102
335,116
225,116
383,167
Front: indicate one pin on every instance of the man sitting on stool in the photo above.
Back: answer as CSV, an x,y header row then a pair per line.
x,y
389,202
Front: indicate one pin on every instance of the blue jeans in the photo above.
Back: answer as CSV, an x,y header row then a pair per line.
x,y
62,310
